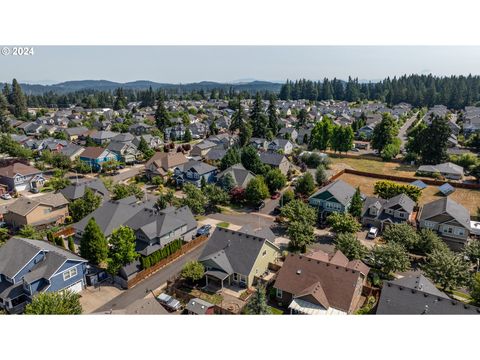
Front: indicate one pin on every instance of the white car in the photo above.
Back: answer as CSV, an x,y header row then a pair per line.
x,y
372,233
168,301
6,196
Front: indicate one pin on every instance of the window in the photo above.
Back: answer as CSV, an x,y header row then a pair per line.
x,y
264,252
389,211
459,231
373,211
279,293
235,277
47,211
401,215
429,224
70,273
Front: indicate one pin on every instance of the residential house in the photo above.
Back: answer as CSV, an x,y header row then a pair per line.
x,y
449,219
72,151
77,189
215,154
163,162
198,306
153,142
235,258
193,172
103,137
21,177
29,267
96,156
281,145
176,132
202,148
304,135
276,160
240,175
366,131
447,170
416,295
321,283
259,143
379,212
289,133
125,151
75,133
334,197
40,211
198,130
139,129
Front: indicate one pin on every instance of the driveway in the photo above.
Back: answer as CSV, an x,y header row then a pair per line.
x,y
402,133
141,290
128,173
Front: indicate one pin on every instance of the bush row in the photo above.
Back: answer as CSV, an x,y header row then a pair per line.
x,y
167,250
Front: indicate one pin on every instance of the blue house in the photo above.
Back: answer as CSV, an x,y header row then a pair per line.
x,y
29,267
334,197
96,156
193,172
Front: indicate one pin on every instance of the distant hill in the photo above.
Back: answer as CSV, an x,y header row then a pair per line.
x,y
105,85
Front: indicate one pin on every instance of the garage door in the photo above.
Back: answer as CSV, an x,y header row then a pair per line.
x,y
21,187
77,287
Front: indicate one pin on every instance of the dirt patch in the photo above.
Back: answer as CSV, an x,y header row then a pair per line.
x,y
468,198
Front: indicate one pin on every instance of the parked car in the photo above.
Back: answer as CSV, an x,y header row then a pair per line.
x,y
6,196
169,302
277,210
372,233
260,205
276,195
34,190
204,230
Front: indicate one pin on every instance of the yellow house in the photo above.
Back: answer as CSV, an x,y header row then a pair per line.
x,y
237,257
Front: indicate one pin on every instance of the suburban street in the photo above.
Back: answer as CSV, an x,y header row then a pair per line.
x,y
402,133
151,283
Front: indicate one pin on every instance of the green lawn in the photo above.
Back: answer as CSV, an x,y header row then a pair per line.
x,y
276,311
223,224
373,166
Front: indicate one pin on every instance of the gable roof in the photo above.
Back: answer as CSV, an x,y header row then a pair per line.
x,y
446,205
198,166
77,189
23,205
240,175
198,306
167,160
417,295
18,168
330,279
92,152
17,252
237,250
272,158
339,189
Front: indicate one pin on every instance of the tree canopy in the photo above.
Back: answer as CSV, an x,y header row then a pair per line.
x,y
55,303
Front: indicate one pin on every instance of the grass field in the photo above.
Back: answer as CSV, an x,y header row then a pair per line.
x,y
223,224
373,166
468,198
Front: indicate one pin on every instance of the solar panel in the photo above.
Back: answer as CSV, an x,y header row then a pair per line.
x,y
419,183
446,189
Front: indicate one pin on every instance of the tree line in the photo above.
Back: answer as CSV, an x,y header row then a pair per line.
x,y
455,92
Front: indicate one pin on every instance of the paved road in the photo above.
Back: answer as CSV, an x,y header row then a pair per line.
x,y
128,173
241,219
141,289
402,133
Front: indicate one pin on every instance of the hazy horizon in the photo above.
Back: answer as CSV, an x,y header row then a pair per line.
x,y
229,64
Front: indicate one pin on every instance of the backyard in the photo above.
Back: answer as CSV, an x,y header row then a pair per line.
x,y
371,165
468,198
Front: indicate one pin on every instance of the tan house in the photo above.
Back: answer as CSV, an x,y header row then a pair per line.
x,y
237,258
162,162
321,284
40,211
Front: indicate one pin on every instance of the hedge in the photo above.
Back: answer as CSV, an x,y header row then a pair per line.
x,y
167,250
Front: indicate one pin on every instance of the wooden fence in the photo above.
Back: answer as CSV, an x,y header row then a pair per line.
x,y
66,232
162,263
404,179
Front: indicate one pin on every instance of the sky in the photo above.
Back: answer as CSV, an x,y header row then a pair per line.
x,y
185,64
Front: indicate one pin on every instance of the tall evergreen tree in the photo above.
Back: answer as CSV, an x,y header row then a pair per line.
x,y
120,100
19,101
356,204
162,117
258,119
93,245
273,119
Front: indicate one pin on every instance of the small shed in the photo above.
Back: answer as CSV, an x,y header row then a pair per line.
x,y
419,183
446,189
198,306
